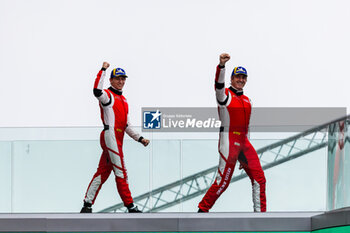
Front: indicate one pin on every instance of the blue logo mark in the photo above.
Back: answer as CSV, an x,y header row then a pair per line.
x,y
152,119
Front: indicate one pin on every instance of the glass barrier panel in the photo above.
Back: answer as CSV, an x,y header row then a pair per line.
x,y
52,175
6,177
338,188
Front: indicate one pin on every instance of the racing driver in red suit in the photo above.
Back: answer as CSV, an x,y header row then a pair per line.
x,y
115,118
234,112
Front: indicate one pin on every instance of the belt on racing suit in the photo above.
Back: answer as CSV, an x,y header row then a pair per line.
x,y
106,127
222,129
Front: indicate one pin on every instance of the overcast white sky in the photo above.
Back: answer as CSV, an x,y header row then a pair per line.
x,y
296,53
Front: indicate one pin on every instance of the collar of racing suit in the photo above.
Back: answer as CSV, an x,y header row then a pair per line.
x,y
115,91
237,92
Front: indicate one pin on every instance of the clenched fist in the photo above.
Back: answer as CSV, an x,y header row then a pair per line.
x,y
105,65
224,57
145,141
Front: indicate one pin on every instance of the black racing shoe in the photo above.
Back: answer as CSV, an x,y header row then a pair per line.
x,y
134,209
201,211
86,208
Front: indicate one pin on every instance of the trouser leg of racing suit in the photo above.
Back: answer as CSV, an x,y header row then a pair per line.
x,y
112,158
228,150
121,179
103,171
250,162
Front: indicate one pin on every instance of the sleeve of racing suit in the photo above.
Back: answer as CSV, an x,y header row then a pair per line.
x,y
99,93
131,131
221,96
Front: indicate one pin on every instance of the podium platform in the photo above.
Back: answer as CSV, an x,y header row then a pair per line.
x,y
177,222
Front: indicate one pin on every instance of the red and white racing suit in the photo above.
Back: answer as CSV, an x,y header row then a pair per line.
x,y
234,112
114,114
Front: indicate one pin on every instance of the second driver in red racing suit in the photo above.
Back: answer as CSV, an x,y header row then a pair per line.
x,y
234,112
115,118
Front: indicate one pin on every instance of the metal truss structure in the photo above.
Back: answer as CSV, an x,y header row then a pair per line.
x,y
197,184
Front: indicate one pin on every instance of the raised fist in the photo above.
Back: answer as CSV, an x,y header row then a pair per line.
x,y
145,141
105,65
224,57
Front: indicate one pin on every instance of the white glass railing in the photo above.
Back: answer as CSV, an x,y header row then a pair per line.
x,y
49,169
